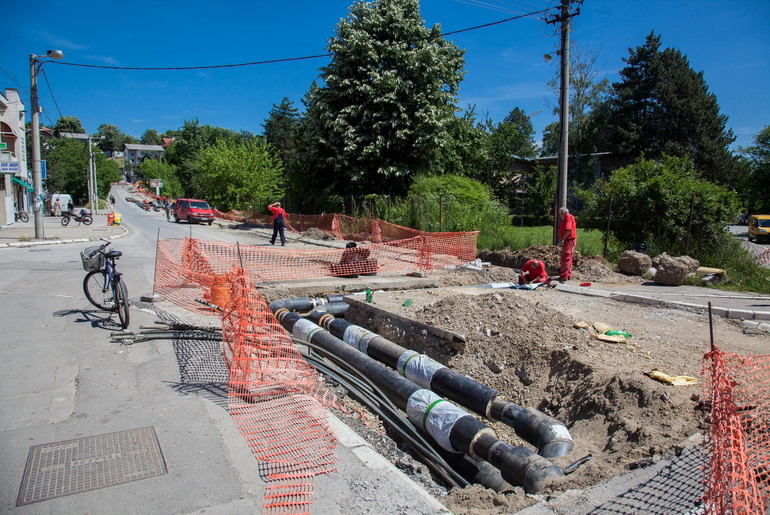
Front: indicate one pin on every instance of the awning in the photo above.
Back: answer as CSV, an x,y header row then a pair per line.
x,y
23,183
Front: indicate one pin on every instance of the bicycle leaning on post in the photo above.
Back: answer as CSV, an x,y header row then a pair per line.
x,y
103,284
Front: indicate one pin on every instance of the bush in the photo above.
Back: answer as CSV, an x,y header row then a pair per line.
x,y
652,203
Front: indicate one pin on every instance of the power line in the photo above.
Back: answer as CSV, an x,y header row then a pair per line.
x,y
51,91
290,59
14,80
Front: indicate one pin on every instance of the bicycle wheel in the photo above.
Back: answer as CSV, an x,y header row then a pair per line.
x,y
87,220
98,290
24,217
121,302
65,220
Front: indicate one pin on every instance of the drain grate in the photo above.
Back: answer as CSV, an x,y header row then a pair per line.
x,y
82,464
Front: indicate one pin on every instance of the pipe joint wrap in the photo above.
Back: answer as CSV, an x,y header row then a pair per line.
x,y
434,415
358,337
305,329
418,368
325,320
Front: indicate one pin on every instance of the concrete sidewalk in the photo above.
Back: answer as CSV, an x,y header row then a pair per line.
x,y
744,306
21,234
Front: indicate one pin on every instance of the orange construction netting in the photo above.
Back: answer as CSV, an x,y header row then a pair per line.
x,y
738,478
186,269
275,398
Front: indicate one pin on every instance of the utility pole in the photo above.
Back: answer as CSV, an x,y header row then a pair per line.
x,y
37,179
564,17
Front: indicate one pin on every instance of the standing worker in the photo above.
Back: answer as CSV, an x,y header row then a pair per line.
x,y
568,239
279,220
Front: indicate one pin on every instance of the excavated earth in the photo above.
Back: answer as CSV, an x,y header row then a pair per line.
x,y
526,345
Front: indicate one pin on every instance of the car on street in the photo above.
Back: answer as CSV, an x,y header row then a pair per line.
x,y
193,210
759,228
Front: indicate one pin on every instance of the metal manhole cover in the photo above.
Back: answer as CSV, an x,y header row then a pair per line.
x,y
91,462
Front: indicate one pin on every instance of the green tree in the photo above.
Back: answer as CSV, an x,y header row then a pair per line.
x,y
450,203
189,140
240,175
467,149
107,172
588,93
756,185
150,137
67,167
662,106
111,138
68,124
540,192
388,98
154,169
281,130
67,162
508,140
651,203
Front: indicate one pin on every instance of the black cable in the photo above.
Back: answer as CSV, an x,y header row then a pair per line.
x,y
289,59
51,91
408,433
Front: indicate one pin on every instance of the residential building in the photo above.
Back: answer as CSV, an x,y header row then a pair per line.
x,y
133,154
15,186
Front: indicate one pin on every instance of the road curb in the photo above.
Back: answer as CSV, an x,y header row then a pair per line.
x,y
724,312
37,243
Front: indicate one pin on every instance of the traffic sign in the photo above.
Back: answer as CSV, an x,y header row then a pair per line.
x,y
43,170
3,146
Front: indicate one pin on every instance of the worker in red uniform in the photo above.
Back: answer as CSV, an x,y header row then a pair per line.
x,y
568,239
533,271
279,221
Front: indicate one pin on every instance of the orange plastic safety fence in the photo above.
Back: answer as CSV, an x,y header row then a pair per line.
x,y
275,398
186,269
738,387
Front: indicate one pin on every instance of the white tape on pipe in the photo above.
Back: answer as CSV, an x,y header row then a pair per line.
x,y
435,415
305,329
358,337
418,368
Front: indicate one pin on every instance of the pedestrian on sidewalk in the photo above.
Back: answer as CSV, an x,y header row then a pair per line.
x,y
57,207
279,221
568,240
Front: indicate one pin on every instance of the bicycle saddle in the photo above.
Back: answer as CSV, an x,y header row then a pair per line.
x,y
113,254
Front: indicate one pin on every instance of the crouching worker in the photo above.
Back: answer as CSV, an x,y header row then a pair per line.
x,y
533,271
355,261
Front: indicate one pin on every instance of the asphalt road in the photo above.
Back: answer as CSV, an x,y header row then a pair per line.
x,y
62,378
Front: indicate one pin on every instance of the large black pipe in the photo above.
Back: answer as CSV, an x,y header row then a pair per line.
x,y
550,436
453,429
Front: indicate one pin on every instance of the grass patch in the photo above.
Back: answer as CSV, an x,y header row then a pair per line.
x,y
743,273
589,241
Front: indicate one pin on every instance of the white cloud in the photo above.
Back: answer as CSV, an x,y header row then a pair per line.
x,y
60,43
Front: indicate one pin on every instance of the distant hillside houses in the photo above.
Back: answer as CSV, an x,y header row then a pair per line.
x,y
134,154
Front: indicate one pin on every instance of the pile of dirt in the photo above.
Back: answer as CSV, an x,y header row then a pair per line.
x,y
585,268
525,345
314,233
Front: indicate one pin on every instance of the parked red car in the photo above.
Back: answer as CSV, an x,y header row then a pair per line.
x,y
193,210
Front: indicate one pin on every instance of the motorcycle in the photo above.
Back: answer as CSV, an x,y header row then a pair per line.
x,y
84,217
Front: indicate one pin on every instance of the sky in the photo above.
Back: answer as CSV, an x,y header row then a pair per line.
x,y
727,40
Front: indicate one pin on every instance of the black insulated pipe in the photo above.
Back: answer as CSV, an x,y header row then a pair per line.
x,y
517,465
550,436
334,309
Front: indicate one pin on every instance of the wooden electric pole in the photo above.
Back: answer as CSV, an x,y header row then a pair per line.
x,y
564,16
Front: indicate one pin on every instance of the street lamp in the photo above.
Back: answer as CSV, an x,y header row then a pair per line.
x,y
37,180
